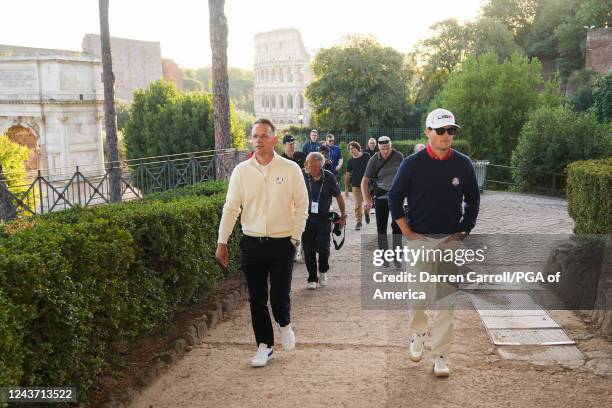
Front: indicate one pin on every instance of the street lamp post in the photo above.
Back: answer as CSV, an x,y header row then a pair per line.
x,y
301,119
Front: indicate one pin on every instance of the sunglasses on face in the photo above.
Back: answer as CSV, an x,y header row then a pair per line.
x,y
450,131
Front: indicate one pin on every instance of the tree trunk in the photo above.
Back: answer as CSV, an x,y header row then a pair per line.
x,y
6,205
110,116
218,45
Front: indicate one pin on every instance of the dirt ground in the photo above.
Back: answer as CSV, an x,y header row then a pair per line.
x,y
350,357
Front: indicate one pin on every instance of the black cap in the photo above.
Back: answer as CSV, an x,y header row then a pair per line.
x,y
288,139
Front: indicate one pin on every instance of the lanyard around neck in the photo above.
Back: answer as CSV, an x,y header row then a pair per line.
x,y
310,194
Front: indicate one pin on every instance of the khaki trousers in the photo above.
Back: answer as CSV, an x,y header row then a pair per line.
x,y
441,294
358,203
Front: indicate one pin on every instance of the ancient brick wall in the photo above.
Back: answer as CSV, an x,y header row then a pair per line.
x,y
172,73
599,50
135,63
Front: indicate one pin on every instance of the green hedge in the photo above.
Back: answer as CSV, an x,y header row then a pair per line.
x,y
76,284
201,189
589,195
551,139
406,147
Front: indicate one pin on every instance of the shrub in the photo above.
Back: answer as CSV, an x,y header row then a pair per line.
x,y
491,102
75,284
602,98
12,158
163,121
550,140
589,196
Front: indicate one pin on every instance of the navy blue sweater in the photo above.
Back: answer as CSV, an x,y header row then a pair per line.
x,y
436,192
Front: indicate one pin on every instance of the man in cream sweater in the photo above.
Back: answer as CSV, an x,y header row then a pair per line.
x,y
271,193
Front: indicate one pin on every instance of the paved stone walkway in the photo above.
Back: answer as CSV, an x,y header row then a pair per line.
x,y
348,357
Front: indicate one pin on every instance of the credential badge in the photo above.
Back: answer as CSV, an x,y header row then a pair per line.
x,y
455,181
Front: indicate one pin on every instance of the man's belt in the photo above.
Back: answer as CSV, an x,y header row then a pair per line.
x,y
266,239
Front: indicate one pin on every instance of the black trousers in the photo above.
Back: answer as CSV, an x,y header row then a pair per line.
x,y
382,219
315,238
260,259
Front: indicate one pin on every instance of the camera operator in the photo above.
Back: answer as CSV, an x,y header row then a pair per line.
x,y
322,186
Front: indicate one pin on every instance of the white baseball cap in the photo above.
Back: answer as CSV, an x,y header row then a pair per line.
x,y
438,118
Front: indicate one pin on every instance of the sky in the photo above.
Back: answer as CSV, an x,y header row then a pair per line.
x,y
181,26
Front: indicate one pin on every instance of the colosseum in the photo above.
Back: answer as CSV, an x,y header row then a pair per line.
x,y
282,72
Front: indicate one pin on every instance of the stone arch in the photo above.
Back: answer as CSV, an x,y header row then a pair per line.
x,y
26,136
289,101
281,102
301,99
273,102
266,101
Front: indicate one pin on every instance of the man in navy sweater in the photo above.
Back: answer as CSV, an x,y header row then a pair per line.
x,y
443,201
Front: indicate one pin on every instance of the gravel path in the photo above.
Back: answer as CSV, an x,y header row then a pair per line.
x,y
348,357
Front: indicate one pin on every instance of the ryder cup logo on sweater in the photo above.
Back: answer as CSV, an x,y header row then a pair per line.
x,y
455,181
279,179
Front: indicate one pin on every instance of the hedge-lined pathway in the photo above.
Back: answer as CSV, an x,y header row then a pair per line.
x,y
353,358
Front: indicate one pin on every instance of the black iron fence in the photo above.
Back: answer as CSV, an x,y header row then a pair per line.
x,y
88,185
501,177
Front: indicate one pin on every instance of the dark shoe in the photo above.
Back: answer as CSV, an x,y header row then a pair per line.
x,y
358,226
367,217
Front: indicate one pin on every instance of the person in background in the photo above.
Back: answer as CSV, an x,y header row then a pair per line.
x,y
381,170
372,147
324,150
290,153
270,193
312,145
335,154
355,170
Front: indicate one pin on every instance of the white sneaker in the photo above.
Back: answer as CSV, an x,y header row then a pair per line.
x,y
323,279
263,355
417,344
312,285
287,337
440,368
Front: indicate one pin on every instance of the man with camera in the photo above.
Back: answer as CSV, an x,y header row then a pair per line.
x,y
322,186
381,170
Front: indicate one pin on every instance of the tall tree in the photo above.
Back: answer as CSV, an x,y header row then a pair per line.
x,y
218,45
6,206
110,116
358,84
517,15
